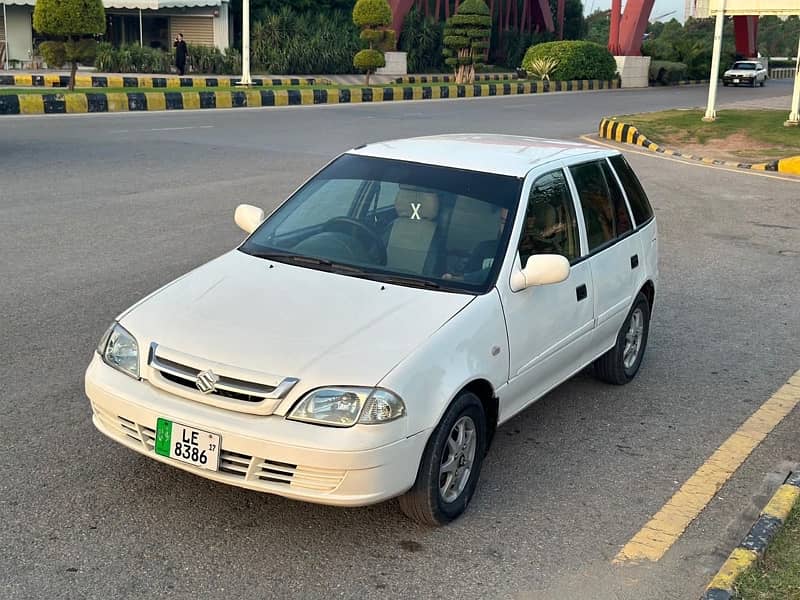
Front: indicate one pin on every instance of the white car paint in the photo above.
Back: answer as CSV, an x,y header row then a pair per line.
x,y
264,321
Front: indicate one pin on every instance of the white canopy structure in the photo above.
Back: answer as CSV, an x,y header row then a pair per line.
x,y
728,8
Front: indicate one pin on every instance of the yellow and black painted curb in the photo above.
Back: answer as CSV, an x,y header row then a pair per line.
x,y
147,81
755,543
618,131
451,78
693,82
60,103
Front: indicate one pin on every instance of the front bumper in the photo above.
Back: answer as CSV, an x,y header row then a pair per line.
x,y
738,80
263,453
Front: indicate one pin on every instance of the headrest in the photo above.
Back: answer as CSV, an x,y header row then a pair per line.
x,y
416,204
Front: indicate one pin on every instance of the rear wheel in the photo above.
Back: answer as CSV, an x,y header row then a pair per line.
x,y
620,364
450,466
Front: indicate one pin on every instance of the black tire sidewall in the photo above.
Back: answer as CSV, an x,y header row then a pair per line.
x,y
466,404
641,302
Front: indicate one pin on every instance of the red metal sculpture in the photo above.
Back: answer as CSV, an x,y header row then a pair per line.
x,y
745,30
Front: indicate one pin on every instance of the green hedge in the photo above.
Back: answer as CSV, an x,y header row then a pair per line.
x,y
664,72
138,59
288,42
576,60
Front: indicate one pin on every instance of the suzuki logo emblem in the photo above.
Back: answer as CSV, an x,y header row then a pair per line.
x,y
206,381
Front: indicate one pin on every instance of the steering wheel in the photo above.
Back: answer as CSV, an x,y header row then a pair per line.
x,y
355,228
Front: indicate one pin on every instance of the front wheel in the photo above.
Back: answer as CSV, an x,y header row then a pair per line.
x,y
450,466
620,364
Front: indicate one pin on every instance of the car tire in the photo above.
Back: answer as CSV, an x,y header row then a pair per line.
x,y
725,84
439,495
618,366
762,82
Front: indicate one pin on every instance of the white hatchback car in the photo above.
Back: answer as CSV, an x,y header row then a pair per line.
x,y
368,337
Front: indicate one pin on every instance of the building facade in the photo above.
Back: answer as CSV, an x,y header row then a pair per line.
x,y
151,23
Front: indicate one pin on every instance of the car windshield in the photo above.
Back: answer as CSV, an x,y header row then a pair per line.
x,y
744,66
395,221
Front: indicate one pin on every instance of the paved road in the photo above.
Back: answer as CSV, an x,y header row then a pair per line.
x,y
97,211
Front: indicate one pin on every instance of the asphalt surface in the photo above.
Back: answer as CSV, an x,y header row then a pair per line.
x,y
97,211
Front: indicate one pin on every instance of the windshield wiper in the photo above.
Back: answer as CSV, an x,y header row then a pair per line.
x,y
312,261
413,281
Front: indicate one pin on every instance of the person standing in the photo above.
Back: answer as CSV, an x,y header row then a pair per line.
x,y
180,54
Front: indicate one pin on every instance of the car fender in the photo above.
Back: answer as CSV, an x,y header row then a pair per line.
x,y
471,346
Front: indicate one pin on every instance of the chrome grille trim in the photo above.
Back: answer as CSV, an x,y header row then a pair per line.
x,y
229,392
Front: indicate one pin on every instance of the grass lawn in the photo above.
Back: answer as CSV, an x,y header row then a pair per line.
x,y
777,577
753,135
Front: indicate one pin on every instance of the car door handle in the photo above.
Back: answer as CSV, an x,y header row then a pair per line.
x,y
581,292
634,261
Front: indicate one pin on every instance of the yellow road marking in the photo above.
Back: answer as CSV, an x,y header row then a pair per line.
x,y
659,156
664,529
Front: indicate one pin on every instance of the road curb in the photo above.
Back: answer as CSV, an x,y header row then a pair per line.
x,y
59,103
618,131
146,81
754,545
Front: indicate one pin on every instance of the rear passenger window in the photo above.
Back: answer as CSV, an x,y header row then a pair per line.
x,y
640,206
604,209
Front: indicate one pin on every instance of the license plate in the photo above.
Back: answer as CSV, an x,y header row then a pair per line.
x,y
735,81
187,444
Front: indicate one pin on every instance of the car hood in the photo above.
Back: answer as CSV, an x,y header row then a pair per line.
x,y
289,321
739,72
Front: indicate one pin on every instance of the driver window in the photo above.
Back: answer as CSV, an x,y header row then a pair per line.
x,y
550,226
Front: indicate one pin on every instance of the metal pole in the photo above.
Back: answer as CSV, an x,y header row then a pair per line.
x,y
5,33
245,44
794,116
141,35
711,113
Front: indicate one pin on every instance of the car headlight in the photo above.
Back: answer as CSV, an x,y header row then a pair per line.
x,y
118,349
346,406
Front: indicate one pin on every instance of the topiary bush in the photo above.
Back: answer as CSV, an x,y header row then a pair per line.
x,y
70,23
466,39
373,17
664,72
576,60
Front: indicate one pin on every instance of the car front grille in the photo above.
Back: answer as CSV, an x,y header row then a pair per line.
x,y
262,473
180,374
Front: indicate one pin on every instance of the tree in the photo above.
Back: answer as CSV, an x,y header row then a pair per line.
x,y
373,17
71,23
466,39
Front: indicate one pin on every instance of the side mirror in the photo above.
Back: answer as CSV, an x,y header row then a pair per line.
x,y
541,269
248,217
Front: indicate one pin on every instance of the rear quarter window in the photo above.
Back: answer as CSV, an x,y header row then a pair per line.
x,y
640,205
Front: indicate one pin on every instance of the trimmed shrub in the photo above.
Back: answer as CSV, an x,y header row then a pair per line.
x,y
71,23
373,17
466,39
664,72
53,53
138,59
576,60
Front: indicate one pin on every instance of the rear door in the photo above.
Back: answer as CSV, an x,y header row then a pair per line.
x,y
614,249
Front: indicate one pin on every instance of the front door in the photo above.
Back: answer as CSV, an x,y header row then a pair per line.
x,y
549,326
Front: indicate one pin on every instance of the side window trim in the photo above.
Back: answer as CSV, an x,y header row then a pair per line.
x,y
576,203
634,224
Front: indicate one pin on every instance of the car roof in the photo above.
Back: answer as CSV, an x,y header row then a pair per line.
x,y
488,153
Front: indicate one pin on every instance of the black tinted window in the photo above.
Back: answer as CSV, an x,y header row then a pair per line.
x,y
550,225
640,206
604,209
